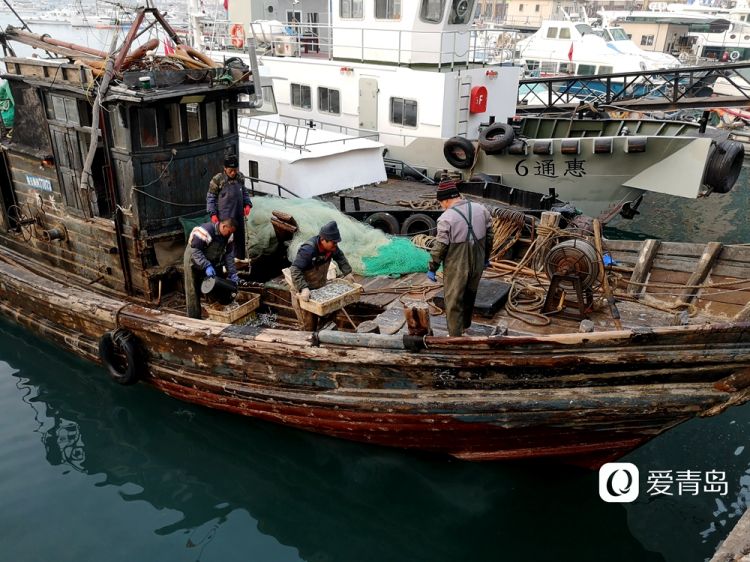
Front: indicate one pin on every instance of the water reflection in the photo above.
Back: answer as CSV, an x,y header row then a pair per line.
x,y
328,500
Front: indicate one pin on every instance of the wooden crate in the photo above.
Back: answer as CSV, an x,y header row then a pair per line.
x,y
232,313
321,308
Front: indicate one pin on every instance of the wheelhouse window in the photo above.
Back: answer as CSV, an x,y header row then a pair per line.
x,y
212,123
173,132
404,112
549,67
618,34
432,11
605,69
351,9
225,118
61,108
388,9
647,40
328,101
551,33
148,128
565,33
586,69
120,127
301,96
194,122
567,68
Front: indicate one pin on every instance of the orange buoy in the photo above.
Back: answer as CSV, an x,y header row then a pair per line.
x,y
237,32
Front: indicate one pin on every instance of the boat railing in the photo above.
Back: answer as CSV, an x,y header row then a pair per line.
x,y
280,189
442,48
295,136
386,137
667,89
273,132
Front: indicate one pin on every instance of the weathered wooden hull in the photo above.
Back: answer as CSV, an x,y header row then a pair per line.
x,y
581,397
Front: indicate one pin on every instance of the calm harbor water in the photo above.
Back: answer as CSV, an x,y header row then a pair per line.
x,y
93,471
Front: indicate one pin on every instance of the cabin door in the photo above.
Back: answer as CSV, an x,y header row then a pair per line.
x,y
69,163
7,196
368,104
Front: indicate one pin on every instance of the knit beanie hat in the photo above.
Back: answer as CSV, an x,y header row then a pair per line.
x,y
330,231
231,161
447,189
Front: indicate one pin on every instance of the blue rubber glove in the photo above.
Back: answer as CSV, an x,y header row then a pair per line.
x,y
210,272
431,276
235,279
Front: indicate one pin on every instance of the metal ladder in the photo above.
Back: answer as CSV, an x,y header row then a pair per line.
x,y
464,98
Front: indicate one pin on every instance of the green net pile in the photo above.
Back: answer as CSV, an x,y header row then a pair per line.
x,y
369,251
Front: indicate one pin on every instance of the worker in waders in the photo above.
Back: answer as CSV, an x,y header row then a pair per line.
x,y
209,252
310,269
463,245
228,198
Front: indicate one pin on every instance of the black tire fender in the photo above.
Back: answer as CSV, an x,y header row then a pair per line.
x,y
724,166
114,345
383,221
419,223
496,138
459,152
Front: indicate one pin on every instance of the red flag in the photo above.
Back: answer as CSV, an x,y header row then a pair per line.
x,y
226,5
570,52
168,47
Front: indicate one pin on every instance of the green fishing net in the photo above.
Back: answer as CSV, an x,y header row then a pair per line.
x,y
369,251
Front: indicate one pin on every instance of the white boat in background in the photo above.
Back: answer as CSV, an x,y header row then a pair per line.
x,y
58,16
563,47
409,77
618,40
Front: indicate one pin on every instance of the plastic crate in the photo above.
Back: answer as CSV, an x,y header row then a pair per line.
x,y
241,308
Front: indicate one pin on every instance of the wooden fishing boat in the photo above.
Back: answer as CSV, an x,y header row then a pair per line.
x,y
93,265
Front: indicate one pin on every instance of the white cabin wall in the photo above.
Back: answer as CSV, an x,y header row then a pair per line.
x,y
405,40
502,95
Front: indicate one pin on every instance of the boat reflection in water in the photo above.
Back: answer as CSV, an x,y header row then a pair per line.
x,y
328,499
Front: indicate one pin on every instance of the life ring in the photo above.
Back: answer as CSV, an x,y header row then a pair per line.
x,y
496,138
383,221
724,166
419,223
237,33
116,346
734,55
459,152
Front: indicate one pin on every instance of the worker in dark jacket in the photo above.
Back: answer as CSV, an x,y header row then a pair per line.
x,y
229,198
310,269
210,250
463,246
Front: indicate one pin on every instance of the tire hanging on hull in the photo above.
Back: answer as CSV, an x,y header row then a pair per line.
x,y
459,152
496,138
724,166
113,347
